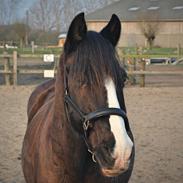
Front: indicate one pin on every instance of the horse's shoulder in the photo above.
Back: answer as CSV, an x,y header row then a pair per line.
x,y
39,96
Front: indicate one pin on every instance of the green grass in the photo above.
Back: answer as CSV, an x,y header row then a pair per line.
x,y
153,51
127,52
39,50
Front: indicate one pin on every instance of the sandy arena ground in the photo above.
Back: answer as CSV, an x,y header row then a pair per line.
x,y
156,116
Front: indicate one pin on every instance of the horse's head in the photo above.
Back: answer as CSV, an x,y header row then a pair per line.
x,y
94,83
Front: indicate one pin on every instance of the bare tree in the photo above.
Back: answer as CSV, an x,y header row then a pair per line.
x,y
8,11
21,30
149,26
45,15
57,14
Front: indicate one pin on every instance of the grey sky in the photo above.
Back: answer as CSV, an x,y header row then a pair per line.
x,y
25,5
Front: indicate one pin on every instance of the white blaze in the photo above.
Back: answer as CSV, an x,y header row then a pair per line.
x,y
123,145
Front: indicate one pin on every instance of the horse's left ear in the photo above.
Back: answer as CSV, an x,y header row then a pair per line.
x,y
112,30
76,33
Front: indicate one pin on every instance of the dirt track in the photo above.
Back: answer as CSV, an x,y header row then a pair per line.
x,y
156,116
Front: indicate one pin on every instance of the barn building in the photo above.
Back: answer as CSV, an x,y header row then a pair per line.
x,y
166,15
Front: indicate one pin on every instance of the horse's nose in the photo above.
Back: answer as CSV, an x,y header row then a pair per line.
x,y
104,156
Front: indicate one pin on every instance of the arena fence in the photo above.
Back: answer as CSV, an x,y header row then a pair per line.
x,y
136,66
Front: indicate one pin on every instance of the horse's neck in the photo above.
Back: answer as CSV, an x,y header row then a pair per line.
x,y
68,146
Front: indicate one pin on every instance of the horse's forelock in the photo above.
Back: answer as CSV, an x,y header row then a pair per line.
x,y
94,60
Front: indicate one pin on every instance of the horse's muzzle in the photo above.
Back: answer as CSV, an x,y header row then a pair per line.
x,y
115,172
104,157
111,167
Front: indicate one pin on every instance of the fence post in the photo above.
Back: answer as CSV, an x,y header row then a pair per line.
x,y
142,80
32,46
131,68
134,64
178,51
7,69
14,68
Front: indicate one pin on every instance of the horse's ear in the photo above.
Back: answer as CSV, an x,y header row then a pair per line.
x,y
112,30
76,33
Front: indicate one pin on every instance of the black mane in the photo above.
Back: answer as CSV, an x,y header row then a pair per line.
x,y
95,59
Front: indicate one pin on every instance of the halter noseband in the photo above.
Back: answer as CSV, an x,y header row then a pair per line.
x,y
88,119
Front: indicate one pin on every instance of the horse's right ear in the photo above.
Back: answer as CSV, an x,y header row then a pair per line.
x,y
76,33
112,30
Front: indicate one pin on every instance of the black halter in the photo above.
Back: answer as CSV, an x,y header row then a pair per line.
x,y
89,118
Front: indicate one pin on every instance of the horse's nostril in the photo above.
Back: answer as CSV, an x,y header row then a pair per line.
x,y
103,155
107,148
109,145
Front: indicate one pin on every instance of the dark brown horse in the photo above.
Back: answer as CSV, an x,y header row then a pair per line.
x,y
78,131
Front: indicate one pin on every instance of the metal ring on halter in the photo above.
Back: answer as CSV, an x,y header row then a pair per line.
x,y
93,156
86,124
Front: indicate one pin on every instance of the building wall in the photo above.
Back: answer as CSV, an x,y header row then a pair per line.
x,y
170,34
61,42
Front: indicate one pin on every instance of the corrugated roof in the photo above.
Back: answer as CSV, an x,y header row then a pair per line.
x,y
133,10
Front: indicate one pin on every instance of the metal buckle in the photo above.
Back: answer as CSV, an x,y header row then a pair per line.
x,y
66,92
86,124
